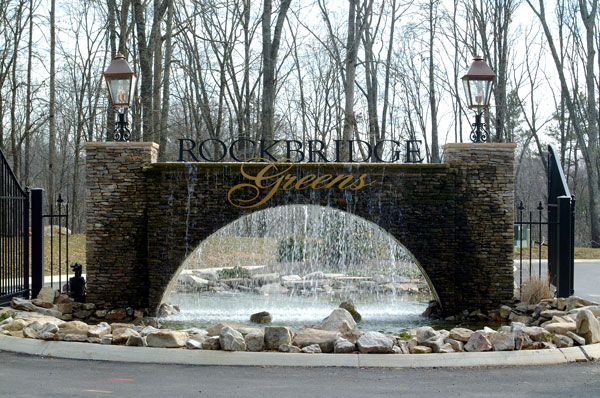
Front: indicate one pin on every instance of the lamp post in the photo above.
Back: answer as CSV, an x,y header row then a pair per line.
x,y
478,84
120,80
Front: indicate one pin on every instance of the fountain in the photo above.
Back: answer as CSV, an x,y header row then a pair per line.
x,y
299,262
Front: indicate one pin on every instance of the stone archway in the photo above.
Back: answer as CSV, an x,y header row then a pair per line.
x,y
144,217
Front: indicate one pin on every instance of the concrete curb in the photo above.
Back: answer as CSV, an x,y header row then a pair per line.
x,y
71,350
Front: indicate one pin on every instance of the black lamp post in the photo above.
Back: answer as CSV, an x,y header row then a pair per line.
x,y
120,81
478,84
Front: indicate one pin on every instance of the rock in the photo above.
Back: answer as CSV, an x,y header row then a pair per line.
x,y
101,313
551,313
461,334
561,327
116,325
261,317
419,349
504,311
215,330
83,314
343,346
136,341
435,343
292,349
106,339
63,299
211,343
403,345
94,340
445,349
208,274
520,318
290,278
167,310
42,303
276,336
30,333
523,342
374,342
80,338
21,304
15,325
193,344
517,327
537,333
231,340
167,339
48,331
349,306
324,338
539,308
397,350
588,327
576,339
255,341
47,294
562,341
424,333
502,342
121,335
594,308
456,345
349,333
478,342
75,327
88,306
577,302
195,282
270,278
312,349
118,314
273,288
64,308
148,329
99,330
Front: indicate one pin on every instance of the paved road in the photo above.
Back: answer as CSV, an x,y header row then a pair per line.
x,y
587,276
25,376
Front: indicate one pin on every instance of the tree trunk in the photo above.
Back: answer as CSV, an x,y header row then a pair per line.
x,y
52,106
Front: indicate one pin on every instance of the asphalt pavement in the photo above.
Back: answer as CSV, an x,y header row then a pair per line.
x,y
28,376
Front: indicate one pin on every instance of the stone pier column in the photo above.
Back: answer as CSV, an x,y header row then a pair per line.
x,y
484,223
116,246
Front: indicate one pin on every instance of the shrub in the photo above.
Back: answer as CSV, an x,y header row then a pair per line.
x,y
235,272
535,290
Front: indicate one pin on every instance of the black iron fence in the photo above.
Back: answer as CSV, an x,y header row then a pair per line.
x,y
58,221
557,232
14,235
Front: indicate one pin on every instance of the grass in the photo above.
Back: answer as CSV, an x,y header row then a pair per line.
x,y
76,253
535,290
587,253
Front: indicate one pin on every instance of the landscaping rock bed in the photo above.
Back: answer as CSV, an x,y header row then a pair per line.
x,y
552,323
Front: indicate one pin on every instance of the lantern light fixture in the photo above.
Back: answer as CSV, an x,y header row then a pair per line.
x,y
478,84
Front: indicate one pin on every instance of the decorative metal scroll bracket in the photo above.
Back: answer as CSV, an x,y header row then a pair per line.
x,y
479,132
122,133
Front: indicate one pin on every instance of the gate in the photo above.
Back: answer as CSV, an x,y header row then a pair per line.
x,y
560,227
14,236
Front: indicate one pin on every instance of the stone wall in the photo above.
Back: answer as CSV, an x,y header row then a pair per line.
x,y
145,218
116,246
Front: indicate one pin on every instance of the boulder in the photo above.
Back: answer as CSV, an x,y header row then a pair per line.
x,y
107,339
374,342
349,306
561,327
64,308
577,302
30,333
215,330
435,343
75,327
312,349
461,334
63,299
504,311
195,282
551,313
324,338
523,342
255,341
94,340
47,294
211,343
537,333
118,314
270,278
273,288
195,334
456,345
80,338
576,339
15,325
445,349
276,336
562,341
136,341
594,308
343,346
99,330
292,349
147,330
335,319
478,342
21,304
419,349
83,314
502,342
193,345
261,317
120,336
42,303
167,310
208,274
588,326
231,340
48,331
167,339
116,325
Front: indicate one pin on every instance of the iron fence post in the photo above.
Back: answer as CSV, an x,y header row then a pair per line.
x,y
37,241
564,247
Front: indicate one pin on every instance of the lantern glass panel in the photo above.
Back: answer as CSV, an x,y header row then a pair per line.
x,y
120,90
480,90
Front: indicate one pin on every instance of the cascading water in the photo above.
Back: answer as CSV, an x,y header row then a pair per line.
x,y
299,263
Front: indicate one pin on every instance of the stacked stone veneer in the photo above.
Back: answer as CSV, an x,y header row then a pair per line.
x,y
116,229
145,218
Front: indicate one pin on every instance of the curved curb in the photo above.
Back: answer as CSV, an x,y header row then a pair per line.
x,y
72,350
